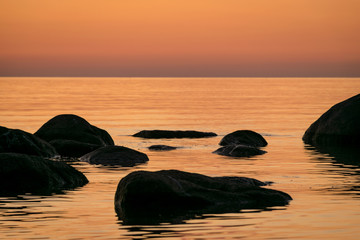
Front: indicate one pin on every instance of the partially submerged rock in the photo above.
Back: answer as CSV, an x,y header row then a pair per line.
x,y
18,141
239,151
243,137
241,143
20,173
71,148
340,125
173,134
115,155
144,197
73,136
161,148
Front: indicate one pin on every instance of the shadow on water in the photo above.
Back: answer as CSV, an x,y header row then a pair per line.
x,y
183,216
345,162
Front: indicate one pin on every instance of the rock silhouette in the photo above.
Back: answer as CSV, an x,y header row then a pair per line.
x,y
73,136
243,137
337,126
115,155
144,197
241,143
161,148
239,151
18,141
20,173
173,134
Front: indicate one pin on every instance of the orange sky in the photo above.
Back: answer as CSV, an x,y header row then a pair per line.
x,y
180,38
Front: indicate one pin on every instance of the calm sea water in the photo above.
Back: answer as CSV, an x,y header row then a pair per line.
x,y
325,188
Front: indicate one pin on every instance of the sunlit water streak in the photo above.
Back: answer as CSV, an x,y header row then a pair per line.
x,y
325,188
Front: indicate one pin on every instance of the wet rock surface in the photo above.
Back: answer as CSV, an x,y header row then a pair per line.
x,y
20,173
241,143
115,155
73,136
171,196
161,148
18,141
173,134
239,151
71,148
337,126
243,137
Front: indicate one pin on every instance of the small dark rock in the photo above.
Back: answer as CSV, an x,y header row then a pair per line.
x,y
73,136
173,134
239,151
244,137
340,125
115,155
170,196
161,148
20,173
18,141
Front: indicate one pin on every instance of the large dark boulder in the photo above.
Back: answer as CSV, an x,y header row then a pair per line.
x,y
73,136
169,196
18,141
340,125
173,134
20,173
239,151
115,155
243,137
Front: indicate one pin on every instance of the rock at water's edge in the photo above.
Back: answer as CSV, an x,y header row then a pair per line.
x,y
71,148
243,137
340,125
75,133
115,155
18,141
239,151
173,134
20,173
161,148
168,195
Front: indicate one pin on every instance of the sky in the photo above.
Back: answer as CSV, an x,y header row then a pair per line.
x,y
173,38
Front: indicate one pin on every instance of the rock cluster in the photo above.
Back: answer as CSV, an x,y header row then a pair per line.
x,y
25,167
141,196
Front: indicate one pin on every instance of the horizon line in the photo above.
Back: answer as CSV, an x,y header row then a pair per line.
x,y
180,76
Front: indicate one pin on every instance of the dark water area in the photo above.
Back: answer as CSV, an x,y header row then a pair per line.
x,y
324,183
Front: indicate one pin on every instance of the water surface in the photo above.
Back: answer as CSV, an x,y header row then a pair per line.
x,y
325,187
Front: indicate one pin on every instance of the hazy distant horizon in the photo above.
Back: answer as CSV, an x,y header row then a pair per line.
x,y
109,76
161,38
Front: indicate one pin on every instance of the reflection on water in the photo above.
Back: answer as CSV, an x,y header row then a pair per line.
x,y
343,164
25,208
231,225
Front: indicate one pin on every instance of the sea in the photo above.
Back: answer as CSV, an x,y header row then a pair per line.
x,y
325,187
